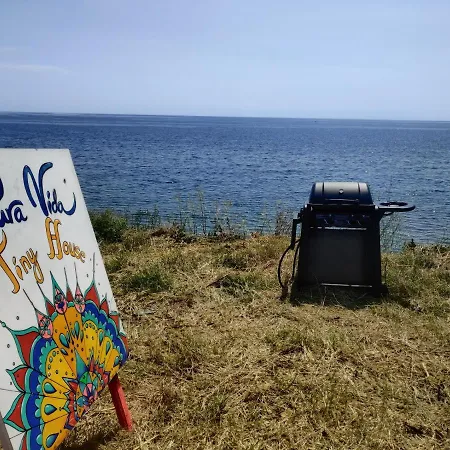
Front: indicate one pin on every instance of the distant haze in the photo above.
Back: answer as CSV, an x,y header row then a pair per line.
x,y
292,58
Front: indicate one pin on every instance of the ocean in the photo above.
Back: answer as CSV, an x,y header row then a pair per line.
x,y
248,168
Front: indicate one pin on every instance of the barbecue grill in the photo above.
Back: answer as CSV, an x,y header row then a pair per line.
x,y
340,236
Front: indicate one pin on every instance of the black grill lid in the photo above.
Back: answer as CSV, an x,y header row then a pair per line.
x,y
351,193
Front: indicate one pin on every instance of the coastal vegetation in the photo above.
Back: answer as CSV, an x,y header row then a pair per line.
x,y
222,359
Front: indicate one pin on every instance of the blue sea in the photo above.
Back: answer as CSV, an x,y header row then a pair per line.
x,y
251,166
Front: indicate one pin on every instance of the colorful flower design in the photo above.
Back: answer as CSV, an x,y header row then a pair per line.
x,y
67,360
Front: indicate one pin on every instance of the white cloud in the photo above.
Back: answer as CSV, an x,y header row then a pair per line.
x,y
32,68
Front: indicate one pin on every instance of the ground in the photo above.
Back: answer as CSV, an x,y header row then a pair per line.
x,y
220,359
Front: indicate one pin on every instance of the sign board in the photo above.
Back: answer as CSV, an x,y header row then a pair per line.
x,y
61,340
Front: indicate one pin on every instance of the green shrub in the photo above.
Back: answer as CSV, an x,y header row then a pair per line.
x,y
152,279
108,226
146,219
242,284
283,223
117,262
236,260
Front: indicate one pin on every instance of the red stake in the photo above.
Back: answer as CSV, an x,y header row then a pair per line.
x,y
120,403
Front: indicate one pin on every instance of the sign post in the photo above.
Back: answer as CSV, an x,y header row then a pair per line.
x,y
61,339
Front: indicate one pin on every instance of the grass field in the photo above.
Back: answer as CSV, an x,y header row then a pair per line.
x,y
219,360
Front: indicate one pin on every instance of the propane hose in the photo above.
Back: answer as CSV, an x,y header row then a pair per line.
x,y
297,248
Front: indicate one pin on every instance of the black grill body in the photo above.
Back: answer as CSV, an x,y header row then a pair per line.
x,y
340,236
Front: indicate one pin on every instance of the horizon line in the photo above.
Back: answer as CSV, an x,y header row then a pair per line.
x,y
218,116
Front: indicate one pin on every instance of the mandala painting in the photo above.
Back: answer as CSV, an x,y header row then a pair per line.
x,y
67,359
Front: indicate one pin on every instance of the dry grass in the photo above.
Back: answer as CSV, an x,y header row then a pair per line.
x,y
219,361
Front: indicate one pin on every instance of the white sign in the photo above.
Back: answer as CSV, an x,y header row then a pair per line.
x,y
61,341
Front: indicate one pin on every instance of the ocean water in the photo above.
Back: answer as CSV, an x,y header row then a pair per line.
x,y
131,163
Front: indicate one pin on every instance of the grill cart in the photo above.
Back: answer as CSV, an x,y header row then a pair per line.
x,y
340,236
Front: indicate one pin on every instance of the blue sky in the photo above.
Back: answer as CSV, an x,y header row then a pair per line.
x,y
331,59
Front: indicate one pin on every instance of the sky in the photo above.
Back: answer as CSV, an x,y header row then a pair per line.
x,y
283,58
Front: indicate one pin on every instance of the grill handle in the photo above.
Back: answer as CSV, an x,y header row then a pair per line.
x,y
295,223
391,207
350,201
